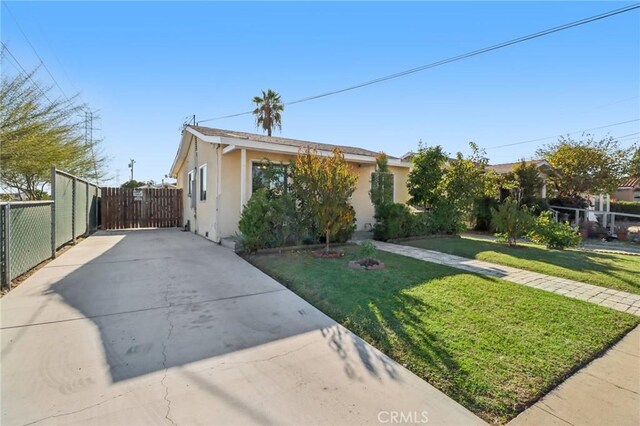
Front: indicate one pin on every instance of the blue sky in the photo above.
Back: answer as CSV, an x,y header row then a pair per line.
x,y
148,65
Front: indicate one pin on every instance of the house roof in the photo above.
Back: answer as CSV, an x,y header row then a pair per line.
x,y
232,140
629,183
505,168
209,131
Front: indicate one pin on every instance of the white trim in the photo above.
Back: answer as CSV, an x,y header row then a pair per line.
x,y
203,182
190,185
202,136
243,178
228,149
294,150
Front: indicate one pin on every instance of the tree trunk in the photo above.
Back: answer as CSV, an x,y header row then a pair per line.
x,y
327,242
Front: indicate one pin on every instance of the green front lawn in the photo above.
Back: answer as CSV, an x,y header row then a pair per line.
x,y
620,272
494,346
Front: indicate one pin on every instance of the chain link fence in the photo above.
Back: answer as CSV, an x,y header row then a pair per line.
x,y
32,231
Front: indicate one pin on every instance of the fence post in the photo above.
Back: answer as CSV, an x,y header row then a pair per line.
x,y
613,223
53,212
87,209
73,210
6,241
98,196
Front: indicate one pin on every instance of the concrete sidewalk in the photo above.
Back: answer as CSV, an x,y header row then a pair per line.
x,y
619,300
606,392
164,327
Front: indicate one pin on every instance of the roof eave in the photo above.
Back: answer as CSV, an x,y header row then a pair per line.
x,y
294,150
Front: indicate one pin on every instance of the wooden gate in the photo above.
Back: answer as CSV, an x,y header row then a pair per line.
x,y
123,208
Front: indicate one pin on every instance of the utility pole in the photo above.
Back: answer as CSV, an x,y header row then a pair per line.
x,y
88,139
131,163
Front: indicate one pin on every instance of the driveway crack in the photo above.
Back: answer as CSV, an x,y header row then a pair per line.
x,y
77,411
164,358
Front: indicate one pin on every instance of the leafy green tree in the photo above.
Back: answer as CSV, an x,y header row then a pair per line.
x,y
463,181
381,192
526,182
586,166
268,111
425,176
634,164
36,134
133,184
323,187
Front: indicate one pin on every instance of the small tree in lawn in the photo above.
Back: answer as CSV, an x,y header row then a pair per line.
x,y
323,187
511,221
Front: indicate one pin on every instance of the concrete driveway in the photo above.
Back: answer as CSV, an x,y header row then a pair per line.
x,y
164,327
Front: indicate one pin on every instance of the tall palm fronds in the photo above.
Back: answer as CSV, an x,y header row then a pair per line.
x,y
268,109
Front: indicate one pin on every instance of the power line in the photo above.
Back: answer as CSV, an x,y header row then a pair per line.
x,y
454,58
564,133
5,48
44,65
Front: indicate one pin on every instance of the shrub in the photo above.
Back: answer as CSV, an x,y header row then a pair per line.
x,y
511,221
631,207
367,249
555,235
576,203
344,231
268,221
537,205
482,213
256,232
444,218
393,221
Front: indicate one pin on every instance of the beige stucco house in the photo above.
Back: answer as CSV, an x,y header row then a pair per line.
x,y
628,190
217,168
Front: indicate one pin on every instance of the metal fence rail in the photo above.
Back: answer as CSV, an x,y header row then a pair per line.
x,y
32,231
606,219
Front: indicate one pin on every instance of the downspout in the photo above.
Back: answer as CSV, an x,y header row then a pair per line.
x,y
195,187
216,224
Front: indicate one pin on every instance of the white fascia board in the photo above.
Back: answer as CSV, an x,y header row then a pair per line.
x,y
293,150
228,149
183,148
202,136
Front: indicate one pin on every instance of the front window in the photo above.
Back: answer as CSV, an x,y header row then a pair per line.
x,y
382,187
190,183
268,175
203,183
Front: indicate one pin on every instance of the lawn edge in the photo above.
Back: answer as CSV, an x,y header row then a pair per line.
x,y
525,405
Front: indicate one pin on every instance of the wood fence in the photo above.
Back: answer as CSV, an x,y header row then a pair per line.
x,y
123,208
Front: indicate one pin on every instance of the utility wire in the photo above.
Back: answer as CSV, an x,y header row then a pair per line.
x,y
453,59
5,48
567,133
44,65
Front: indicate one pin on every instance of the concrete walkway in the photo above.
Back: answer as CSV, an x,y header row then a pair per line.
x,y
606,392
164,327
619,300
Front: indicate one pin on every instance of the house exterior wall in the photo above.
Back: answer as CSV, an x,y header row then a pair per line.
x,y
626,194
230,207
201,216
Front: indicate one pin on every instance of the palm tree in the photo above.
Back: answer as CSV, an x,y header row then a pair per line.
x,y
268,109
